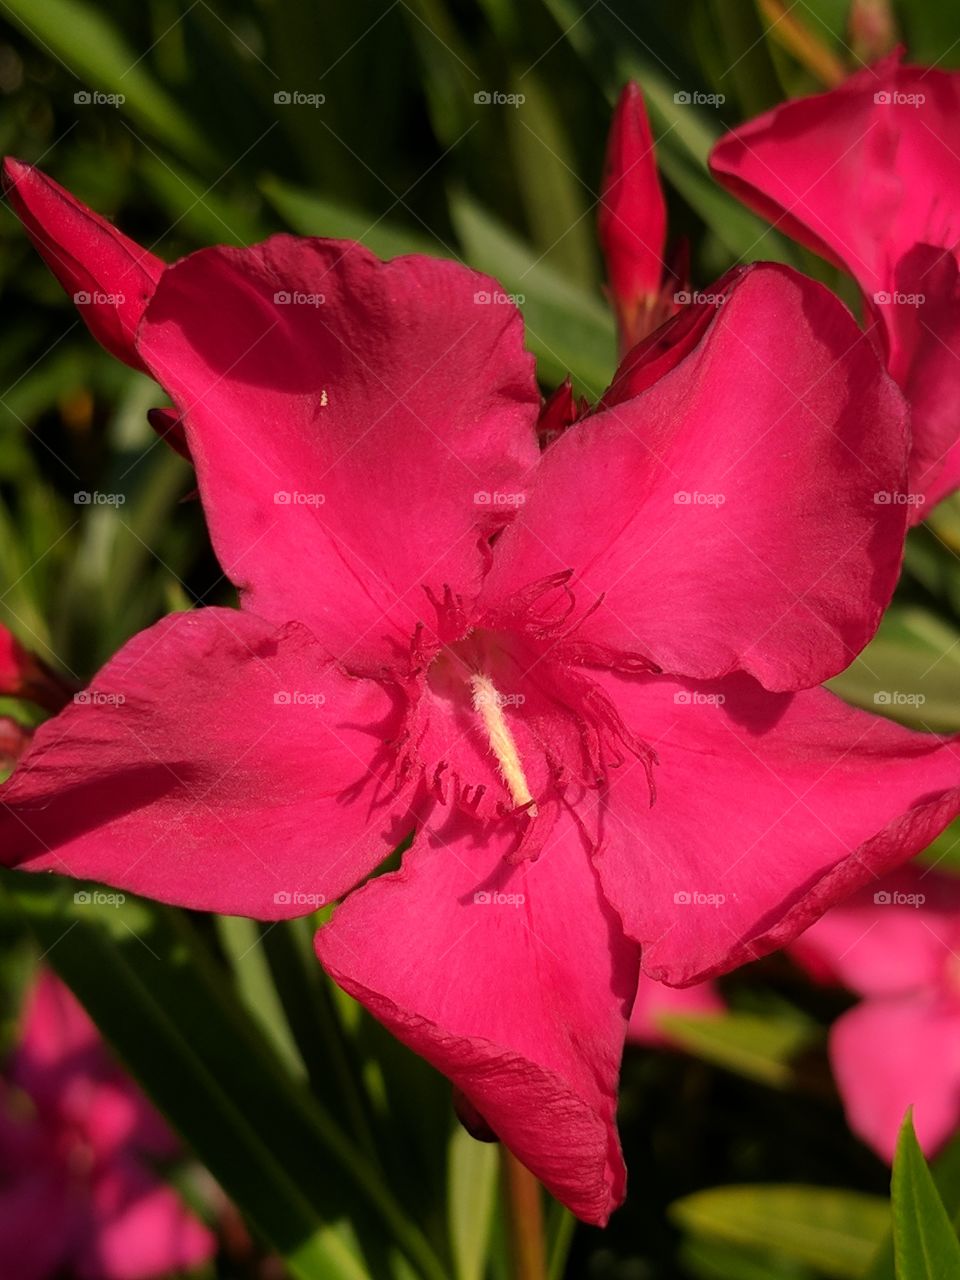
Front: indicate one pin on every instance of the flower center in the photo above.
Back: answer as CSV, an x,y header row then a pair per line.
x,y
488,703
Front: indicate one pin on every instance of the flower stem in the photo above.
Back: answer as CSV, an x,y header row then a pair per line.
x,y
524,1204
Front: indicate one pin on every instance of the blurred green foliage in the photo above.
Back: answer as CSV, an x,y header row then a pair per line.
x,y
336,1143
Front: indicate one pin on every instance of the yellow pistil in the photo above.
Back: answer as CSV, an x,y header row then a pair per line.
x,y
488,704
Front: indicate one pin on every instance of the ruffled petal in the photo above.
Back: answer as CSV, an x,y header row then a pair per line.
x,y
216,762
728,516
358,428
513,980
769,809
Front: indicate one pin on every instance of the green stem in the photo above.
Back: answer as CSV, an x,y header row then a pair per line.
x,y
524,1206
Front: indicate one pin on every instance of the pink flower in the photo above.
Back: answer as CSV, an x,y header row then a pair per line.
x,y
574,675
896,943
868,175
77,1142
632,224
25,675
654,1001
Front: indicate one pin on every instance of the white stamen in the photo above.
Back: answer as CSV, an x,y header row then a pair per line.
x,y
488,704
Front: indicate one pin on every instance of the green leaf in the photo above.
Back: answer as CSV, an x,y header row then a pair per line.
x,y
830,1228
311,215
761,1048
471,1191
568,329
87,43
924,1241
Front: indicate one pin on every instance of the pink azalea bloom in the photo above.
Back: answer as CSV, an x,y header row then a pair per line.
x,y
655,1001
632,224
78,1194
896,943
868,175
580,676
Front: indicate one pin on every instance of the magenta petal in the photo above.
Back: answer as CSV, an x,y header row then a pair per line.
x,y
357,427
216,762
888,1055
138,1228
889,938
515,981
727,516
109,276
860,174
769,810
924,356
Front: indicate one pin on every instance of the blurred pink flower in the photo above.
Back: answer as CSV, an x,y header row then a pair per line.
x,y
896,943
868,176
580,676
654,1000
78,1194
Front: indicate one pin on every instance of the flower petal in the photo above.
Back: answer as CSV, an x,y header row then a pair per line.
x,y
769,810
726,517
888,1055
216,762
514,981
859,174
109,276
890,937
868,175
353,424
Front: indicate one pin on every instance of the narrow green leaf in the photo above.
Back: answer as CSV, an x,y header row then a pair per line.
x,y
830,1228
924,1241
762,1048
472,1170
89,44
